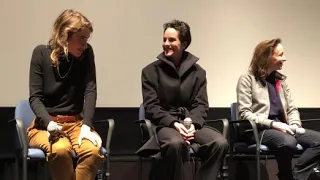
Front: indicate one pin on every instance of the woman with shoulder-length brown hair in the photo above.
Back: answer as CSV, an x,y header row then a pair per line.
x,y
264,97
63,85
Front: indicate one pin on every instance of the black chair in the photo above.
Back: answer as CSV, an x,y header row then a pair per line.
x,y
147,131
239,148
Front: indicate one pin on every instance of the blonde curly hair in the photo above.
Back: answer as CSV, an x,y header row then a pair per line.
x,y
67,23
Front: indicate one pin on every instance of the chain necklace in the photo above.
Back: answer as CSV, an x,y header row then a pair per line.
x,y
58,70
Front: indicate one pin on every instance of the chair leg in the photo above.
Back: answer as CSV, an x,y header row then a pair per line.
x,y
152,172
230,173
258,165
39,170
8,171
107,167
46,170
42,172
16,169
224,170
265,161
140,169
24,168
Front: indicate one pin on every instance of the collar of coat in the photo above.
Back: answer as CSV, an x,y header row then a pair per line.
x,y
277,76
188,60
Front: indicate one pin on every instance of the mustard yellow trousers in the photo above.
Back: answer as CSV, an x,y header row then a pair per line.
x,y
60,157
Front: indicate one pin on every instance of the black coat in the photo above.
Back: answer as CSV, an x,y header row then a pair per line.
x,y
166,89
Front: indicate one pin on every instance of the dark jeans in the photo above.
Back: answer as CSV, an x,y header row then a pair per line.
x,y
285,146
174,150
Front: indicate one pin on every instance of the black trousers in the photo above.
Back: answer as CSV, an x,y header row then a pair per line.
x,y
285,146
174,151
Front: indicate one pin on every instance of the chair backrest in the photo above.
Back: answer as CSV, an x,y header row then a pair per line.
x,y
234,110
141,112
24,113
234,117
143,128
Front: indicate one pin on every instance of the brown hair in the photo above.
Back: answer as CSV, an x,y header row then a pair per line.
x,y
262,53
67,23
182,27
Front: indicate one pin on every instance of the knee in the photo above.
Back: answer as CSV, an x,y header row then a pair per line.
x,y
289,143
221,143
94,152
177,144
61,150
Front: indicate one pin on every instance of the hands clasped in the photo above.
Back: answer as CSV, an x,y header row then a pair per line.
x,y
187,134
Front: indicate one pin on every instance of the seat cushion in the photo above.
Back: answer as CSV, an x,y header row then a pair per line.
x,y
103,151
263,148
35,153
242,148
191,151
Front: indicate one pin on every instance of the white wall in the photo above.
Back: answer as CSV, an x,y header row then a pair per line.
x,y
128,34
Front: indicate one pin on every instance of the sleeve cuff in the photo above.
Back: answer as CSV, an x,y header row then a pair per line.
x,y
198,122
46,121
197,125
297,123
168,122
267,122
87,122
171,125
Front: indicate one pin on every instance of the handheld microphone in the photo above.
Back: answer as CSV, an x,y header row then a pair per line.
x,y
52,128
187,123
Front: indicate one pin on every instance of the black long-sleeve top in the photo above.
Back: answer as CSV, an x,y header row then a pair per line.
x,y
53,94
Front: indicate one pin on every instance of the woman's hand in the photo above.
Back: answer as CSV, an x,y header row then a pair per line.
x,y
86,133
282,127
187,134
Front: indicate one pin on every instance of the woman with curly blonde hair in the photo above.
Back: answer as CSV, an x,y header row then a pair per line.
x,y
63,96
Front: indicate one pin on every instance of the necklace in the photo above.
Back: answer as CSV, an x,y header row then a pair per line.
x,y
58,70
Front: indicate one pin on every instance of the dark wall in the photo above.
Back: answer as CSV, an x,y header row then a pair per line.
x,y
126,140
126,137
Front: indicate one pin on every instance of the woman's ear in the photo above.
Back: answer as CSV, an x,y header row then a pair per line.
x,y
184,45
